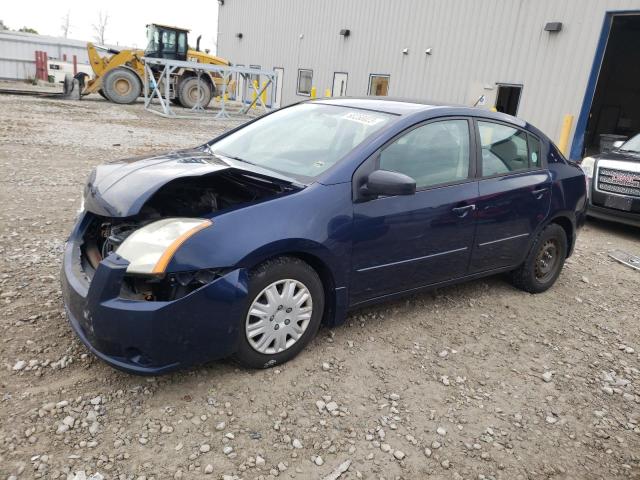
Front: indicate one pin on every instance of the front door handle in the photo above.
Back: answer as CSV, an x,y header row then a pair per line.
x,y
463,211
538,193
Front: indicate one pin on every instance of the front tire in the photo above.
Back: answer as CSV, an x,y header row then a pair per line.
x,y
121,85
283,313
189,94
544,262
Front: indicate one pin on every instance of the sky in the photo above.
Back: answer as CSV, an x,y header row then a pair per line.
x,y
126,19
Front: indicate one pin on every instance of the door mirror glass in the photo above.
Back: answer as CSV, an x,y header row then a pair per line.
x,y
384,182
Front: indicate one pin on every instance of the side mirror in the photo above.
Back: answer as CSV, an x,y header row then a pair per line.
x,y
387,183
618,143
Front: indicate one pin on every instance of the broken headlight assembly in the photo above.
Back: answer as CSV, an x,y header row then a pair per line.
x,y
150,248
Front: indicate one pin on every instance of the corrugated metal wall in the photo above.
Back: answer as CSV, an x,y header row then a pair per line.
x,y
475,44
17,52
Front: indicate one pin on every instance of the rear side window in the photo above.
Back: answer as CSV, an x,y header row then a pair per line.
x,y
504,149
432,154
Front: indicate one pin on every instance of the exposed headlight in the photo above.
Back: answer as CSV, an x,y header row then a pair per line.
x,y
150,249
81,207
587,165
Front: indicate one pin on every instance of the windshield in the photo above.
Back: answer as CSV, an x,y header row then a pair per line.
x,y
303,140
632,145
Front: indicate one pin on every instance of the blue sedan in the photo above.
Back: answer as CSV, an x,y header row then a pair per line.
x,y
243,246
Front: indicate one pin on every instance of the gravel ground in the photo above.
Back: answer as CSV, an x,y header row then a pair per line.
x,y
477,381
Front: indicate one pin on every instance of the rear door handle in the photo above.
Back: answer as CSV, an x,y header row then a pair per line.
x,y
463,211
538,193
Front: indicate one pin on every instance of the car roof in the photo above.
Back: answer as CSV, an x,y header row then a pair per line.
x,y
397,106
405,107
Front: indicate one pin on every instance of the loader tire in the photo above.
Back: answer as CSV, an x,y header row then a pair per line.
x,y
188,92
121,85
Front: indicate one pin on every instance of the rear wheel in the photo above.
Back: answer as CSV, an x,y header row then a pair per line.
x,y
121,85
189,94
544,262
284,311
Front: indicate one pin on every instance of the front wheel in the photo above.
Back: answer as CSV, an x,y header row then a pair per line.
x,y
544,262
192,92
121,85
283,313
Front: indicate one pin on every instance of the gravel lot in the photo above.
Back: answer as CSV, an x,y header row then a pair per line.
x,y
477,381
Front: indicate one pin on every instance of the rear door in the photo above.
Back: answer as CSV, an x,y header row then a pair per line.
x,y
514,194
404,242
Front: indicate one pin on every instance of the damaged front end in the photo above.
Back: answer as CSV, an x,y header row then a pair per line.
x,y
149,316
187,197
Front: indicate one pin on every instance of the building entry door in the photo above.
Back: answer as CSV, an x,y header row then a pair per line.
x,y
339,84
277,101
508,98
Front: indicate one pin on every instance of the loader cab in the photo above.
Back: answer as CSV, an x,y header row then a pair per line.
x,y
166,42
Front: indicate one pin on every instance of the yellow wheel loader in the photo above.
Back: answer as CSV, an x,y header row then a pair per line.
x,y
119,74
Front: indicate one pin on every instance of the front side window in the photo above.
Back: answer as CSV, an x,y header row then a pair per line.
x,y
168,41
379,85
504,149
182,43
432,154
305,80
304,140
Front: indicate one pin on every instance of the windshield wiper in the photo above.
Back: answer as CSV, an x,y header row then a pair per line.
x,y
628,150
232,157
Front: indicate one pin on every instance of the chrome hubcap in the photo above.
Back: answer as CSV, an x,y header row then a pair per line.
x,y
278,316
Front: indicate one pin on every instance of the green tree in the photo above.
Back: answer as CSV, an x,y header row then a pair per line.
x,y
3,26
28,30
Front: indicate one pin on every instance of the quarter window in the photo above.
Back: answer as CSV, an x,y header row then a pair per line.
x,y
432,154
534,152
504,149
379,85
305,80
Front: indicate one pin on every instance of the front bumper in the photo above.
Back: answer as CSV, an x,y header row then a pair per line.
x,y
147,337
597,209
613,215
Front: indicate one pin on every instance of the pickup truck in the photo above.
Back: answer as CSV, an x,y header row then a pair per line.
x,y
614,183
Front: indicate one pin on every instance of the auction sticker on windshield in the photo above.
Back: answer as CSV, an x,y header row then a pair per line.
x,y
364,118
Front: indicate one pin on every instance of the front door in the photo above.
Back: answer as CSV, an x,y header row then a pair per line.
x,y
240,86
277,101
515,196
404,242
339,84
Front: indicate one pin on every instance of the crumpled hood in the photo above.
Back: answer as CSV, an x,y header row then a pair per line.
x,y
120,189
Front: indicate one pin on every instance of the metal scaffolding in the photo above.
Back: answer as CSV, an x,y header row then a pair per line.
x,y
158,85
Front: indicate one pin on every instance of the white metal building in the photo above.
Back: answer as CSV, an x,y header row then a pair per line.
x,y
537,59
17,53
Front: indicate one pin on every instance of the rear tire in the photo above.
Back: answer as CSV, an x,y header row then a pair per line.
x,y
283,312
121,85
188,92
545,260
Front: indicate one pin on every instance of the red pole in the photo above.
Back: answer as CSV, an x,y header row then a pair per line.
x,y
37,63
64,57
75,65
40,58
45,68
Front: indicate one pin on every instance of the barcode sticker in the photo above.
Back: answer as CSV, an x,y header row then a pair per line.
x,y
364,118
